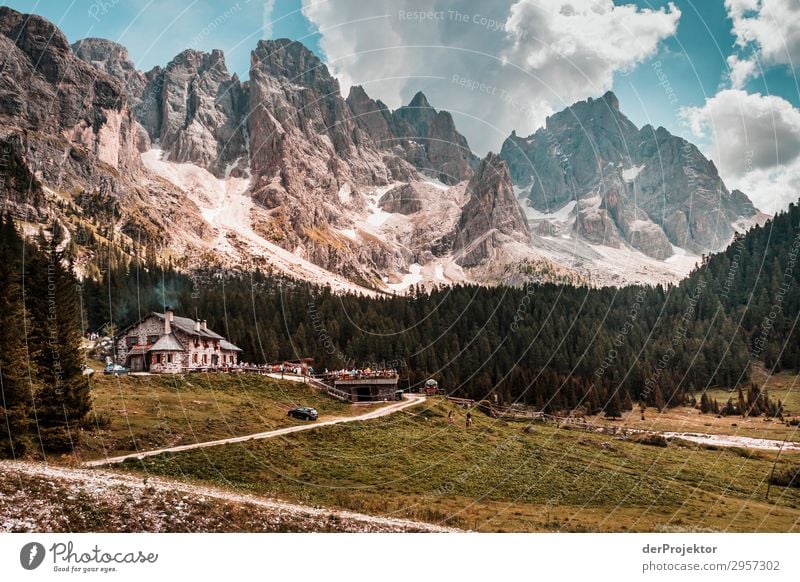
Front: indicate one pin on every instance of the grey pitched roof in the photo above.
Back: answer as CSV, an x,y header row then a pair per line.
x,y
167,343
186,325
226,345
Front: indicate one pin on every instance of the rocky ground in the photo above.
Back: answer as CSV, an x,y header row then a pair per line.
x,y
48,498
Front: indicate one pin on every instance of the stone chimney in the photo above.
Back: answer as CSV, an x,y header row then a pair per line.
x,y
204,325
168,320
197,325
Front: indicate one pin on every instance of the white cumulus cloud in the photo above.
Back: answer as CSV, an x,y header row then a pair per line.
x,y
498,65
594,39
755,143
769,30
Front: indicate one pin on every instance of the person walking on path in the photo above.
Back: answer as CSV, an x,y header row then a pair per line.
x,y
450,417
469,419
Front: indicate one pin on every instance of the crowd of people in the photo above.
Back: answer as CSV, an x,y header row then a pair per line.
x,y
359,373
286,368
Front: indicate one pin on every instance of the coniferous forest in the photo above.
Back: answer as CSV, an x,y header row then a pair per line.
x,y
551,346
557,348
45,396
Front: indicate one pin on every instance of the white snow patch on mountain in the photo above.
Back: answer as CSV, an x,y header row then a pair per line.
x,y
345,193
436,183
413,277
443,270
629,175
561,214
349,233
629,265
377,215
742,224
226,206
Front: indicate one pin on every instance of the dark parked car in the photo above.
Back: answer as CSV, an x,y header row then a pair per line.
x,y
304,413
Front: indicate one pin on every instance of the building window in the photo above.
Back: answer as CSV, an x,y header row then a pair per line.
x,y
132,340
169,358
205,358
196,342
151,339
194,358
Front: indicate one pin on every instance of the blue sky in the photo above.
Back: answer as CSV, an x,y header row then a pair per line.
x,y
507,64
154,31
695,61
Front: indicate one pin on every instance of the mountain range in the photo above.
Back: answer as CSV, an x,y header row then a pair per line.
x,y
283,171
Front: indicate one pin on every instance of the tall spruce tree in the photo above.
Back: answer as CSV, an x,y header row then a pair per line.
x,y
63,400
15,372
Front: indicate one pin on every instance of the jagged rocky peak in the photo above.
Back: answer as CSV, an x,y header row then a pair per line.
x,y
680,189
492,215
418,113
195,109
572,145
112,58
45,88
294,87
426,138
310,159
665,192
611,100
448,156
372,116
295,106
292,62
419,103
38,38
67,127
742,204
491,191
603,112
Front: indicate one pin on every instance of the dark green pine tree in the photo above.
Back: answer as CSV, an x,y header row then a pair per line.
x,y
705,404
15,374
613,408
741,406
63,401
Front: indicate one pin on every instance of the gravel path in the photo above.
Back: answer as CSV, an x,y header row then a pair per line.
x,y
409,400
107,486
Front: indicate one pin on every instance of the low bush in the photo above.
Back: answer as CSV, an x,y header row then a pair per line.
x,y
787,478
652,439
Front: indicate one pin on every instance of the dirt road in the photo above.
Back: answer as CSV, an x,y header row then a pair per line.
x,y
409,400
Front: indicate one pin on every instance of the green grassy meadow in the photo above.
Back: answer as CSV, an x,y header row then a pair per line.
x,y
500,476
133,413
